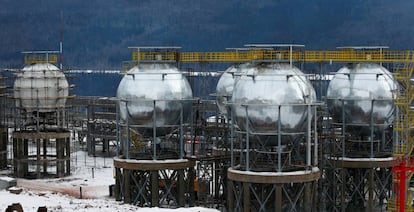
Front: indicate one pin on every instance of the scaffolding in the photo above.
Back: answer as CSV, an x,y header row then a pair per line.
x,y
3,123
403,169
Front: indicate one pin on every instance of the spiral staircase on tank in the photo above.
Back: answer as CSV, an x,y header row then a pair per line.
x,y
403,170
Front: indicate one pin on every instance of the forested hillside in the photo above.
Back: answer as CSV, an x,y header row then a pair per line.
x,y
96,33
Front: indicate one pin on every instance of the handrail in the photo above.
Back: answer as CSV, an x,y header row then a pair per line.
x,y
343,55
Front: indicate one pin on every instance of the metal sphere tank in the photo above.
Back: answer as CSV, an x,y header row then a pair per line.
x,y
161,83
265,86
361,87
225,85
41,87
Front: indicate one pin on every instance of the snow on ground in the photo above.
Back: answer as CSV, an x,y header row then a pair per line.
x,y
91,174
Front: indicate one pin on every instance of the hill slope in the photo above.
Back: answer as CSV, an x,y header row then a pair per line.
x,y
96,33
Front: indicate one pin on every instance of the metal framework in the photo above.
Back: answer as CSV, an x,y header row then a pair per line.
x,y
358,160
151,169
3,123
157,184
41,57
377,174
212,152
94,119
276,170
403,146
41,150
345,55
40,129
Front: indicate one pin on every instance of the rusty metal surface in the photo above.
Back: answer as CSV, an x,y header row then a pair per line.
x,y
273,177
146,165
363,163
41,135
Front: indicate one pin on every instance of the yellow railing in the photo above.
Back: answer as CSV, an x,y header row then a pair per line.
x,y
403,125
37,58
154,56
403,149
347,55
392,206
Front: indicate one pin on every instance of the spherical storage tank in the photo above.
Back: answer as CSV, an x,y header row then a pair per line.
x,y
264,87
358,89
41,87
225,85
145,84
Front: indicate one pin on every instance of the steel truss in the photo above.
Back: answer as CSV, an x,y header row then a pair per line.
x,y
155,188
272,197
357,166
347,189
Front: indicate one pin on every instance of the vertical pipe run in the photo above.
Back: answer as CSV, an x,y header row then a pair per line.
x,y
308,137
45,155
128,140
154,132
291,55
192,128
61,51
343,156
371,123
38,158
232,138
279,141
315,134
403,186
396,137
37,112
117,129
343,129
64,118
67,156
247,141
181,131
383,140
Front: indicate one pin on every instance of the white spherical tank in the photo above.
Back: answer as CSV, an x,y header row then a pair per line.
x,y
225,85
357,90
158,83
264,87
41,87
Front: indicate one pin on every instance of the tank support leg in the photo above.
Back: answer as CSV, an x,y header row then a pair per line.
x,y
127,185
180,187
154,189
230,195
278,197
246,197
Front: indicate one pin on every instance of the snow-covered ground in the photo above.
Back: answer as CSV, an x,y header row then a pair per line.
x,y
92,175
